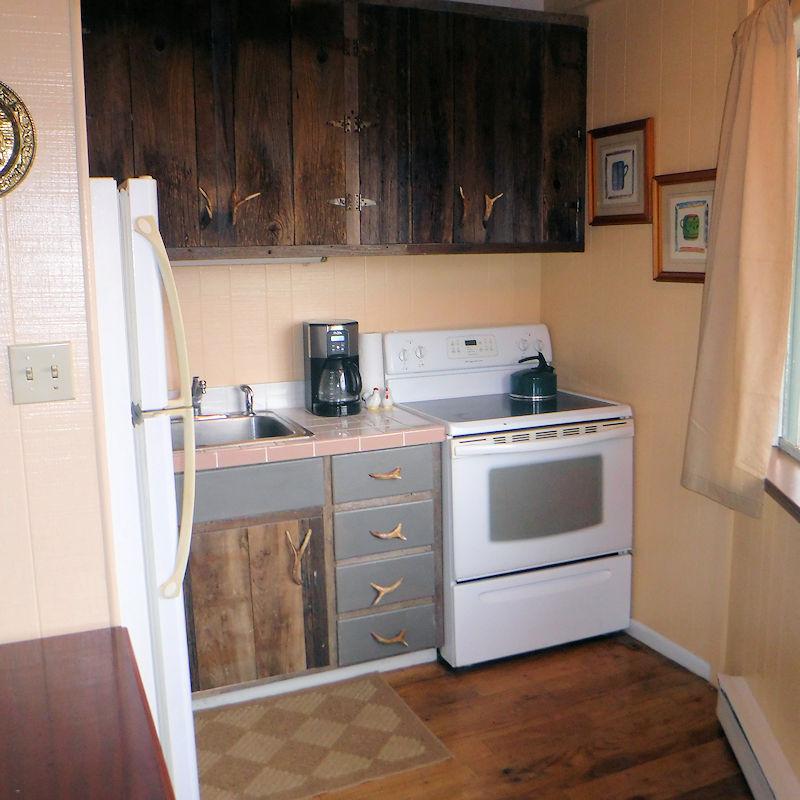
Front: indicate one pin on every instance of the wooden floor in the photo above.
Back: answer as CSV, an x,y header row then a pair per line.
x,y
606,719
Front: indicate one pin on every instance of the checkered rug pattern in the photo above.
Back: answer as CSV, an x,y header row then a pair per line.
x,y
298,745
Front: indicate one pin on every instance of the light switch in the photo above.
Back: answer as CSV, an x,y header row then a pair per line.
x,y
41,372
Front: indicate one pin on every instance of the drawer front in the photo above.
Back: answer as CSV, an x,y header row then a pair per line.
x,y
256,489
382,473
371,531
357,643
390,580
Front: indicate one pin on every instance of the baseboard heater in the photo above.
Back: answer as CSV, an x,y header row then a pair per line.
x,y
765,767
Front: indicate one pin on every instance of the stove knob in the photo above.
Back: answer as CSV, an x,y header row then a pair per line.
x,y
523,344
403,355
419,352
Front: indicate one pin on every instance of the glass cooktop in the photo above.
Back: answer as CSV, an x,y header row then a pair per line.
x,y
497,411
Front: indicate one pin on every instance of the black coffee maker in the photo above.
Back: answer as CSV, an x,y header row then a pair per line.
x,y
333,382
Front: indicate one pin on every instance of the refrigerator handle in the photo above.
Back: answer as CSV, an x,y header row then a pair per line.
x,y
148,227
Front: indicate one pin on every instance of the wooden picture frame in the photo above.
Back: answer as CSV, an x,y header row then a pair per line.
x,y
620,173
683,205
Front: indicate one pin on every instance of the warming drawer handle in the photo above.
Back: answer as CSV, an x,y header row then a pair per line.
x,y
395,533
400,638
384,590
297,556
394,475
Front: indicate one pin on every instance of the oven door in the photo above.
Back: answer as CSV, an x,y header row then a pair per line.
x,y
536,497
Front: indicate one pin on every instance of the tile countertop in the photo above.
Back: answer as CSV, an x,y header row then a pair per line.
x,y
369,430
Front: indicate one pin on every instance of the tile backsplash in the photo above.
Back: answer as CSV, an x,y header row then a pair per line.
x,y
243,322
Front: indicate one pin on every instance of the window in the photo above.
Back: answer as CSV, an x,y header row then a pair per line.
x,y
789,438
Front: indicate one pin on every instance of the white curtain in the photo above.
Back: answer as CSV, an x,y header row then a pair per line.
x,y
746,298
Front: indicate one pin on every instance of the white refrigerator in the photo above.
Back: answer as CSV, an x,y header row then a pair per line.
x,y
132,281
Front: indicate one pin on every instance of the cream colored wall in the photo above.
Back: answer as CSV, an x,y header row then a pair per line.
x,y
52,562
765,622
243,323
616,332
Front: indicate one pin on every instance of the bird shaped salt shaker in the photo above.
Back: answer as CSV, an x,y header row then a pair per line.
x,y
387,402
374,400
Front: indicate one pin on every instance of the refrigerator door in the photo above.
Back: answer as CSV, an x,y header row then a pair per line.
x,y
165,668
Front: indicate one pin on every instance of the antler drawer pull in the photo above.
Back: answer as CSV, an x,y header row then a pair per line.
x,y
394,475
384,590
399,639
297,556
395,533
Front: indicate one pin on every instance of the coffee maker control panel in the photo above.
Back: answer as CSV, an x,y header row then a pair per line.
x,y
337,343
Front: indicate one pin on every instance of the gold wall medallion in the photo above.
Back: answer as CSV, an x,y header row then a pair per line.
x,y
17,140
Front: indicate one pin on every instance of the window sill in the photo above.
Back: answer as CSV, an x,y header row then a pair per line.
x,y
782,483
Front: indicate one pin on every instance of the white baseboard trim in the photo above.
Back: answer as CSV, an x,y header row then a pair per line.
x,y
214,698
668,648
767,770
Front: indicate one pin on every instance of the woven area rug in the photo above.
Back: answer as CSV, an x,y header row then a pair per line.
x,y
302,744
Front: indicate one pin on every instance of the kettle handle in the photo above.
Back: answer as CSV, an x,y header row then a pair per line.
x,y
540,358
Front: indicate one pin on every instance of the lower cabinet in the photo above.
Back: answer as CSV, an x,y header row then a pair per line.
x,y
257,601
313,563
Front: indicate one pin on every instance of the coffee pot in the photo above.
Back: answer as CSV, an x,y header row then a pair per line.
x,y
332,378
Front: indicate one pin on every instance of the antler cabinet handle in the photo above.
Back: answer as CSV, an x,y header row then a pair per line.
x,y
394,475
384,590
297,556
395,533
400,638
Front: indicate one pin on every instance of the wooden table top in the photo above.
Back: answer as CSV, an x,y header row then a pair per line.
x,y
74,721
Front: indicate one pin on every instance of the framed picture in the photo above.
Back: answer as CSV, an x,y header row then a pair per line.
x,y
683,205
620,173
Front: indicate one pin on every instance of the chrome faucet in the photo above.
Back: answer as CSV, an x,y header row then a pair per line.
x,y
248,399
198,390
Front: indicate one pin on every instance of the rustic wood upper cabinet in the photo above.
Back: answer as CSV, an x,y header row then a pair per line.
x,y
317,127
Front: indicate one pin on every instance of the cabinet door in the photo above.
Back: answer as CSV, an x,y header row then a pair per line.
x,y
257,605
106,61
383,112
220,616
290,615
431,126
498,129
317,104
261,203
563,139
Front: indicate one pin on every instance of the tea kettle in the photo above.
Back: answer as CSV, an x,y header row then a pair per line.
x,y
536,383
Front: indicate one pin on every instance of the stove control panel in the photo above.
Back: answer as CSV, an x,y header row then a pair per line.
x,y
460,347
421,352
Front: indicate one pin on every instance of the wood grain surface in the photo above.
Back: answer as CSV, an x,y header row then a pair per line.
x,y
605,719
75,722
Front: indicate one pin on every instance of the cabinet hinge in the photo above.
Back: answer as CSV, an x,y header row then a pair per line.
x,y
579,134
350,124
351,201
351,47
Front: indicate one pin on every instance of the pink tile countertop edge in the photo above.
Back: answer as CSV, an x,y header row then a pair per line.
x,y
369,430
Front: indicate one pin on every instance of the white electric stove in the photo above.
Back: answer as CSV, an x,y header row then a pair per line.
x,y
538,495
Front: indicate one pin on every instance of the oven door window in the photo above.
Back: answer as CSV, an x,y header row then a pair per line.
x,y
531,501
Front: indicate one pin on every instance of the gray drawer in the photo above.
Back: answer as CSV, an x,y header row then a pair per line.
x,y
352,529
256,489
351,473
354,589
357,643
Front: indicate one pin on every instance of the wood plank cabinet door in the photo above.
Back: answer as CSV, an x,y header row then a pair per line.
x,y
256,601
498,137
383,138
318,115
139,65
290,616
563,134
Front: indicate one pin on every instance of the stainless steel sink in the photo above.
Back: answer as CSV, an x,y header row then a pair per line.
x,y
221,429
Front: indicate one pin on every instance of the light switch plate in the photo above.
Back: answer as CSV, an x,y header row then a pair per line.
x,y
41,372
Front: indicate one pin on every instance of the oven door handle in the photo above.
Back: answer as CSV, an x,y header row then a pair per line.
x,y
535,439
